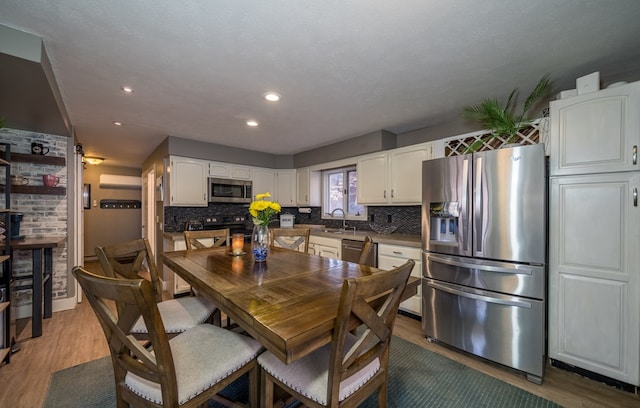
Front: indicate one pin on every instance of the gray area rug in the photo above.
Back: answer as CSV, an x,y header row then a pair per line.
x,y
417,378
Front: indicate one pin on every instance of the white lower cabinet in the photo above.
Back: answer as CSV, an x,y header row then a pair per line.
x,y
327,247
175,284
392,256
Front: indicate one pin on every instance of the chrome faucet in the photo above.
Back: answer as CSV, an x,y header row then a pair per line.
x,y
344,221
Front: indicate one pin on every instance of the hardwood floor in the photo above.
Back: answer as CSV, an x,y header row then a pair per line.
x,y
74,336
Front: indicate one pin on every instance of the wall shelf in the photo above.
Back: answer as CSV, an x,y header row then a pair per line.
x,y
37,159
36,190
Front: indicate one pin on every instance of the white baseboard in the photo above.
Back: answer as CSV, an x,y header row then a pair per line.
x,y
57,305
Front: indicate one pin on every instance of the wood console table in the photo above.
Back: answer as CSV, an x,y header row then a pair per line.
x,y
42,259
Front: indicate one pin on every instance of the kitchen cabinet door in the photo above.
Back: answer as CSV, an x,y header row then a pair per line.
x,y
405,173
392,256
308,187
597,132
187,182
393,177
228,170
327,247
594,283
264,181
175,284
286,188
372,179
220,170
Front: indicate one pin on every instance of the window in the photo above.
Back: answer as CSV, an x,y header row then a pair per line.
x,y
340,193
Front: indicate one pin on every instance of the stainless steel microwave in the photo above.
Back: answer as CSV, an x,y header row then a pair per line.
x,y
229,191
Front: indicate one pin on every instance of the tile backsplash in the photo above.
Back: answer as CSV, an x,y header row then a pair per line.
x,y
407,218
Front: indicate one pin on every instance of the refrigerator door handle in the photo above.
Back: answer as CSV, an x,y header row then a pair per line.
x,y
520,269
478,206
464,211
488,299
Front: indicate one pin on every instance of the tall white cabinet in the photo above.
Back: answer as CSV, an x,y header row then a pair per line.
x,y
594,233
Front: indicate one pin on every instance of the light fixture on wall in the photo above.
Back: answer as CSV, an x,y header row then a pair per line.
x,y
93,159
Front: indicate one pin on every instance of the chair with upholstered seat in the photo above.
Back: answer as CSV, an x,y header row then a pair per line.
x,y
353,366
366,251
134,259
194,239
296,239
185,371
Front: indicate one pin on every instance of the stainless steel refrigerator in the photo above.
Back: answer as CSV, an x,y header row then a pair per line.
x,y
484,218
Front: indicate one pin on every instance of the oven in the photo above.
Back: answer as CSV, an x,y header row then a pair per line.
x,y
235,223
229,191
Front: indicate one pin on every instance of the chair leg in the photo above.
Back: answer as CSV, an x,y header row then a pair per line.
x,y
254,386
382,396
267,390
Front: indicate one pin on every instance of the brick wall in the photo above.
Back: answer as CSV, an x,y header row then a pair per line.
x,y
44,215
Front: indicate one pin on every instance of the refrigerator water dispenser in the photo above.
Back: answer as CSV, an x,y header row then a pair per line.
x,y
444,221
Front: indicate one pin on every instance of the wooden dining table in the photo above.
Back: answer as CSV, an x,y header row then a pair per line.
x,y
288,303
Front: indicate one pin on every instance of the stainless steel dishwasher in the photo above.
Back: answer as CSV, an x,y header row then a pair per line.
x,y
351,252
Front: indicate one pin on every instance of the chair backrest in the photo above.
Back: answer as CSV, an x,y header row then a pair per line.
x,y
296,239
193,238
130,260
365,252
371,302
128,355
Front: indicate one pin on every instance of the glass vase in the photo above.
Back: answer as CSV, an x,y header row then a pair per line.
x,y
260,239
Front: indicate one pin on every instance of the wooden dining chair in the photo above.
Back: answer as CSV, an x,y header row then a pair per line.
x,y
296,239
185,371
133,260
366,251
354,365
219,237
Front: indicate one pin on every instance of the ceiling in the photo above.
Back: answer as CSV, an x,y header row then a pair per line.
x,y
343,68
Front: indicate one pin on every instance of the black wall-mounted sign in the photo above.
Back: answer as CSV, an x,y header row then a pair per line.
x,y
120,204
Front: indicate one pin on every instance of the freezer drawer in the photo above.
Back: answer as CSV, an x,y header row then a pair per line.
x,y
495,276
506,329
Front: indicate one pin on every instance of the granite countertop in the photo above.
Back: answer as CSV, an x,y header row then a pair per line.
x,y
321,231
392,239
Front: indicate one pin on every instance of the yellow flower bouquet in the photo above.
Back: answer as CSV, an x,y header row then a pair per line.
x,y
262,210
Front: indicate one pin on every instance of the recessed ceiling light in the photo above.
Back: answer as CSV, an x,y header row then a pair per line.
x,y
127,89
252,123
117,123
272,97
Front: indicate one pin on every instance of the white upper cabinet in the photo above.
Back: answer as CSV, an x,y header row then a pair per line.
x,y
308,187
596,132
264,181
286,188
187,182
230,171
393,177
372,179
